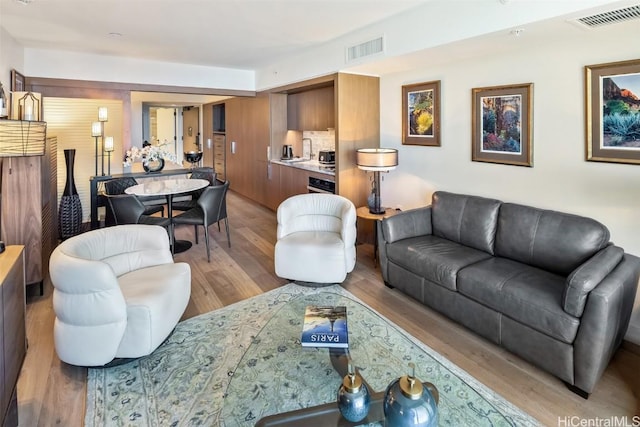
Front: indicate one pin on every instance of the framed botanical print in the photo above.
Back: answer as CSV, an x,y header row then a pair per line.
x,y
612,112
502,124
421,114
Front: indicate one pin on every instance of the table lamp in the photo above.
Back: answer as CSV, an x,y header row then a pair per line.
x,y
376,160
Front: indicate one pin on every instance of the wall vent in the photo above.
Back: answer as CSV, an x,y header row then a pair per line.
x,y
611,17
368,48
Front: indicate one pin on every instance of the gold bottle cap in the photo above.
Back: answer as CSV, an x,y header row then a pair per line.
x,y
410,386
352,381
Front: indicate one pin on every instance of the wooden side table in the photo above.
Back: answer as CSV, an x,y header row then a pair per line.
x,y
363,212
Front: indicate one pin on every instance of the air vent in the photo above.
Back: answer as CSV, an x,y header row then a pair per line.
x,y
611,17
368,48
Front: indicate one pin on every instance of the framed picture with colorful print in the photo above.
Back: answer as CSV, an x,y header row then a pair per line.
x,y
612,112
502,124
421,114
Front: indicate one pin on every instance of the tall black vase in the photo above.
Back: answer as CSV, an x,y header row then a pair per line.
x,y
70,212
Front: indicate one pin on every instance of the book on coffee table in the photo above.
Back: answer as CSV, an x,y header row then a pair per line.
x,y
325,326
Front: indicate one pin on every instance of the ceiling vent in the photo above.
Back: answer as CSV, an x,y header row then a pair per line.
x,y
368,48
611,17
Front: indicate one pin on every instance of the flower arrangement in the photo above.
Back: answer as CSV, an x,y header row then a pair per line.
x,y
149,153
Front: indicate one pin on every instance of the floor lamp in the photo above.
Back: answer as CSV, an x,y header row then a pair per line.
x,y
376,160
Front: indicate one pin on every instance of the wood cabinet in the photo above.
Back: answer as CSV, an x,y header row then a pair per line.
x,y
29,208
287,181
12,328
311,109
356,120
207,135
247,139
219,156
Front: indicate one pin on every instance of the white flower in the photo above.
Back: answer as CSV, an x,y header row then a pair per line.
x,y
148,154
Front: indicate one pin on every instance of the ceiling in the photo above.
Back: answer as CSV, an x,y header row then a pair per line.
x,y
244,34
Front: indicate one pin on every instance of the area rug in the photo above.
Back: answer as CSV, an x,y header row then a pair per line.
x,y
185,381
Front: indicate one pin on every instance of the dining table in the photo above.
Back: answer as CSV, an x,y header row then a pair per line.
x,y
169,188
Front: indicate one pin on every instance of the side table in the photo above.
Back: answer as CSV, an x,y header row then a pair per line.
x,y
363,212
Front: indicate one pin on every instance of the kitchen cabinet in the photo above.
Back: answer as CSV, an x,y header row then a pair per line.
x,y
356,120
247,140
207,135
219,156
311,109
13,329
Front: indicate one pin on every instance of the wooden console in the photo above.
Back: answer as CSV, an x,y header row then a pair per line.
x,y
13,329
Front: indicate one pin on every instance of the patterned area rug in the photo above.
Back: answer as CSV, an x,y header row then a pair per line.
x,y
208,372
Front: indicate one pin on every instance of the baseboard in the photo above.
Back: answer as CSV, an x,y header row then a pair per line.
x,y
632,347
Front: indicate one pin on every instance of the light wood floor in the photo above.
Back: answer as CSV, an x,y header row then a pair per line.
x,y
53,393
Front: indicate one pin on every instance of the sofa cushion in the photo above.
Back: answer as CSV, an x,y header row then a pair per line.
x,y
434,258
553,241
525,294
469,220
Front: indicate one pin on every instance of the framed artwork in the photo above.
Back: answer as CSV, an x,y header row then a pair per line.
x,y
502,124
17,82
613,112
421,114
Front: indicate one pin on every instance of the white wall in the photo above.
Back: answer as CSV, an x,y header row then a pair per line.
x,y
11,56
560,179
81,66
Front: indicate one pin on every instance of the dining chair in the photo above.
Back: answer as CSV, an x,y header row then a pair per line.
x,y
128,209
211,208
185,205
117,186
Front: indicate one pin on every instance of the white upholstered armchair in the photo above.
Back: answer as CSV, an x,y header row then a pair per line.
x,y
117,293
316,238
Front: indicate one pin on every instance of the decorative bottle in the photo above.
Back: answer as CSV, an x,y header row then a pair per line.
x,y
353,396
409,402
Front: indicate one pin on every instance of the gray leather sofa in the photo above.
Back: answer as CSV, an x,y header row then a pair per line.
x,y
548,286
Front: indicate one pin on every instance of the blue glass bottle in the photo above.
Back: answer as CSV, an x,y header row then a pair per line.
x,y
353,396
410,403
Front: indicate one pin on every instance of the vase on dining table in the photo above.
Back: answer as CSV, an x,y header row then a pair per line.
x,y
151,166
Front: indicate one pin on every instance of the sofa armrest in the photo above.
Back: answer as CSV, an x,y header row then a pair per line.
x,y
586,277
411,223
604,322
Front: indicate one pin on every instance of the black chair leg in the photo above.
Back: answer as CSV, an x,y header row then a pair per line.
x,y
226,225
195,231
206,237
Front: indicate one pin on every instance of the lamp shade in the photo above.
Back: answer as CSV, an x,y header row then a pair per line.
x,y
108,144
103,114
377,159
22,138
96,129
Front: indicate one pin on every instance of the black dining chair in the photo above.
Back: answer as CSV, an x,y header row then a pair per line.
x,y
211,208
117,186
185,205
128,209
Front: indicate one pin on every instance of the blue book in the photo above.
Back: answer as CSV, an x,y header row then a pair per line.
x,y
325,327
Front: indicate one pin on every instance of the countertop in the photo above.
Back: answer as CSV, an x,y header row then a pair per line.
x,y
310,165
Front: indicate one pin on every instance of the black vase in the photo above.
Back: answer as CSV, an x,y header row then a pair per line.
x,y
153,165
70,211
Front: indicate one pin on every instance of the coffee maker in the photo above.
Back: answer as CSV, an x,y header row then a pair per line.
x,y
287,152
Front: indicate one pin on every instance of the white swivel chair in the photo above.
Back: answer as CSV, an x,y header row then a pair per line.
x,y
316,238
117,293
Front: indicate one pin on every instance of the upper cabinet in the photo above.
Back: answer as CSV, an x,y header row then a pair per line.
x,y
350,104
311,109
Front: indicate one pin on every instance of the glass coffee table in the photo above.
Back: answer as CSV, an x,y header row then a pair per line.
x,y
277,382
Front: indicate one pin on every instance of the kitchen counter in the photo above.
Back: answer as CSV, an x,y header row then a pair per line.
x,y
309,165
